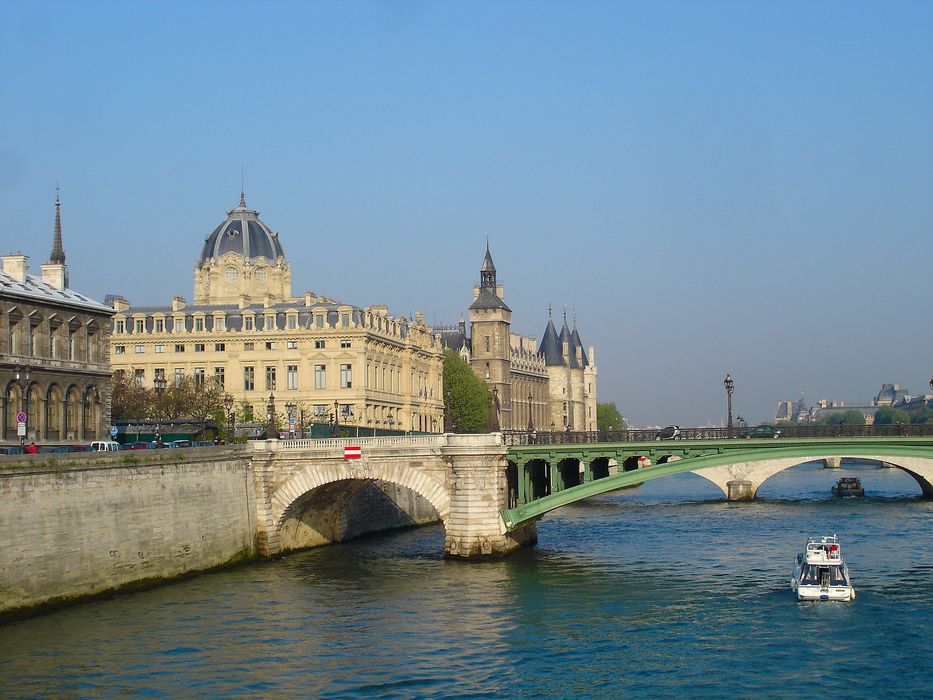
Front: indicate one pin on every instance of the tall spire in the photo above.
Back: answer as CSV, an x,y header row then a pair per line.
x,y
58,251
242,187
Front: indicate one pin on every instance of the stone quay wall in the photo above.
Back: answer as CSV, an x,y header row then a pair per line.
x,y
82,525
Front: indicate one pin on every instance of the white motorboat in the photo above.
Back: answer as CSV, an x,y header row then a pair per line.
x,y
821,573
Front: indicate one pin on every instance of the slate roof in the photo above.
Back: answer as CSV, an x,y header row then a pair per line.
x,y
551,346
34,288
244,234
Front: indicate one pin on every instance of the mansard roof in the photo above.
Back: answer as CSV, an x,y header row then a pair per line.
x,y
454,338
551,346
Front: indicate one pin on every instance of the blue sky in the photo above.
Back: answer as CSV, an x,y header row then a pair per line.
x,y
741,187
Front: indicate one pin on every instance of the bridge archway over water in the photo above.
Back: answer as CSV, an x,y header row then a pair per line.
x,y
325,502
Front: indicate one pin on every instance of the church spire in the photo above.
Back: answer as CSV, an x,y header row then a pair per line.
x,y
58,251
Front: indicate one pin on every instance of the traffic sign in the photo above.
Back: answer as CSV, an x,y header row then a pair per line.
x,y
291,421
21,429
21,417
352,452
113,431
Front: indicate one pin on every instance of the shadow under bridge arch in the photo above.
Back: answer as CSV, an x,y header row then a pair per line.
x,y
334,502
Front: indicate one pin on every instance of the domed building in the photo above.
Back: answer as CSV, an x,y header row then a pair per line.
x,y
322,360
241,257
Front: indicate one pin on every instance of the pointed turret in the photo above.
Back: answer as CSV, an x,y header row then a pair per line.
x,y
577,342
567,337
550,344
58,250
488,294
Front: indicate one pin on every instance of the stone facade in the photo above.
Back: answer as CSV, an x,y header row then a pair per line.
x,y
249,334
547,386
54,353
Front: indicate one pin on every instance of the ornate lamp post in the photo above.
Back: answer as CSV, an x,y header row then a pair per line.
x,y
271,432
301,423
730,386
531,422
23,375
158,384
290,409
336,418
231,416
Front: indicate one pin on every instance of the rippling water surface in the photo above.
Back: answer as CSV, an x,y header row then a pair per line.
x,y
659,590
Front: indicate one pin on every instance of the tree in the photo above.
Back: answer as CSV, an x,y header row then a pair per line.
x,y
887,415
465,395
608,417
129,401
851,417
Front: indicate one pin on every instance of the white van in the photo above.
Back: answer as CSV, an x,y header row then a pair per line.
x,y
105,446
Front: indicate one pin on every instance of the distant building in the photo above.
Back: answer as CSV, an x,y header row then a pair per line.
x,y
547,386
890,395
247,333
56,341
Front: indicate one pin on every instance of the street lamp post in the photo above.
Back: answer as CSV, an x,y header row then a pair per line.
x,y
301,423
23,375
730,386
531,423
159,385
290,409
271,432
231,416
336,418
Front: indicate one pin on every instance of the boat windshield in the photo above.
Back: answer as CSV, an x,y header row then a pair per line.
x,y
813,575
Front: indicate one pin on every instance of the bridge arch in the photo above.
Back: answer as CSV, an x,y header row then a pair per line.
x,y
311,507
755,472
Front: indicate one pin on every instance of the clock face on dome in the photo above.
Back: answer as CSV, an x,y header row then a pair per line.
x,y
261,275
231,274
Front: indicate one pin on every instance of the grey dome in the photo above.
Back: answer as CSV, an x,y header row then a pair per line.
x,y
244,234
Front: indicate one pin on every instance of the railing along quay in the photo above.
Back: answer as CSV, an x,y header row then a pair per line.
x,y
524,437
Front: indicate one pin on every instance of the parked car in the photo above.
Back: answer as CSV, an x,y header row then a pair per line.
x,y
137,446
180,443
761,431
105,446
671,432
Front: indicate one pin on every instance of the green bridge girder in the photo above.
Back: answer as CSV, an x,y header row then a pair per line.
x,y
681,455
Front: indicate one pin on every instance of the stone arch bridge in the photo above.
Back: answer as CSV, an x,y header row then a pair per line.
x,y
489,495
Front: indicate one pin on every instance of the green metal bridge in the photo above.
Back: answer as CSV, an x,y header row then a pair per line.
x,y
569,467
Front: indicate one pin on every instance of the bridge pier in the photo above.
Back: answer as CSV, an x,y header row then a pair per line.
x,y
740,490
478,491
832,462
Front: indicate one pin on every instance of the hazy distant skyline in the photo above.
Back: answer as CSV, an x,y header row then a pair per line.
x,y
714,186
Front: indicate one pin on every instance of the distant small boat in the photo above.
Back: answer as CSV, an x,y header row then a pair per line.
x,y
820,573
848,486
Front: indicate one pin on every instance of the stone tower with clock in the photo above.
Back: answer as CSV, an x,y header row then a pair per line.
x,y
242,261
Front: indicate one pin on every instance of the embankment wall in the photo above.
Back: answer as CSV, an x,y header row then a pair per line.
x,y
75,527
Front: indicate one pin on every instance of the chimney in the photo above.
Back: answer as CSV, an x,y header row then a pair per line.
x,y
54,274
15,266
178,303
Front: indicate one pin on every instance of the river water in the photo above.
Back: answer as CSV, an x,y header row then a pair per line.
x,y
660,590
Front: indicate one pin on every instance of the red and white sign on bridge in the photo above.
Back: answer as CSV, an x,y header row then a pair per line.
x,y
351,452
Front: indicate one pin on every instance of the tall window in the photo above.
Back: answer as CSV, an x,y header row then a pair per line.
x,y
120,327
179,325
199,324
160,325
179,375
249,378
291,375
345,320
139,376
248,323
486,342
219,377
319,320
292,321
320,377
270,377
140,325
346,377
198,375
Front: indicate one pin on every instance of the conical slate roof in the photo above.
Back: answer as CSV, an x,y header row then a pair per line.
x,y
566,335
579,343
551,346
